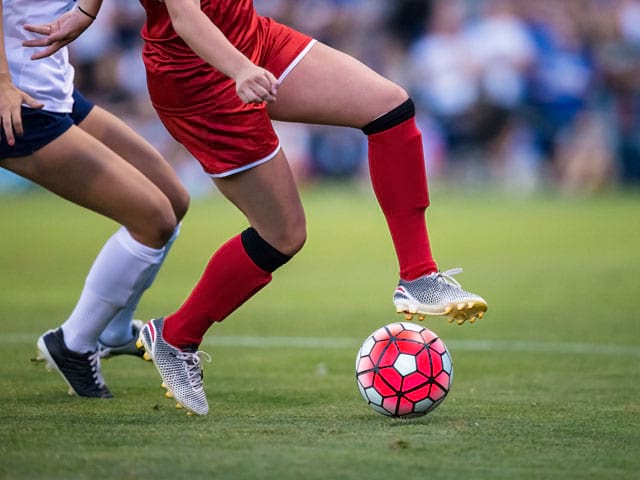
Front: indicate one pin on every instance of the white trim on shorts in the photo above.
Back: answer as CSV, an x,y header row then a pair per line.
x,y
246,167
296,60
286,72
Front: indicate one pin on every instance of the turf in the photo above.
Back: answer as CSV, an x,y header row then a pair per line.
x,y
546,385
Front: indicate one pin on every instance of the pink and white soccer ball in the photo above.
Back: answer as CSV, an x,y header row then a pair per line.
x,y
404,370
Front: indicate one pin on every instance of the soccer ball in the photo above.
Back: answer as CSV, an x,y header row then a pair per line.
x,y
404,370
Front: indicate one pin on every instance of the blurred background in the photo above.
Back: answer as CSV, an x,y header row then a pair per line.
x,y
517,94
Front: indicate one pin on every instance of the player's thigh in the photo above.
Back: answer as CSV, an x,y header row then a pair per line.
x,y
79,168
268,196
330,87
133,148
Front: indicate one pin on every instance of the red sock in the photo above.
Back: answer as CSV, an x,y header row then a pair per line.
x,y
399,179
230,279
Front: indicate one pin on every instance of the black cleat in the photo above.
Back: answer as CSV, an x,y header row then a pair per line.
x,y
81,371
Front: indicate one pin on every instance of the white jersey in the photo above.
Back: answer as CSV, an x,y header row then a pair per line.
x,y
49,80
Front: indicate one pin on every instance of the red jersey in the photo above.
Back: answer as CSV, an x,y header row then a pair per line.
x,y
198,104
175,72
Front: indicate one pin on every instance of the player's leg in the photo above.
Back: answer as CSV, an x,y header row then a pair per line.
x,y
80,169
268,196
120,335
330,87
129,145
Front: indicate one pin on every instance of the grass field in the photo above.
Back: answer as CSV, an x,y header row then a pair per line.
x,y
547,385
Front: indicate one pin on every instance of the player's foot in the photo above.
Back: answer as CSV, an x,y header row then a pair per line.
x,y
81,371
438,294
129,348
181,370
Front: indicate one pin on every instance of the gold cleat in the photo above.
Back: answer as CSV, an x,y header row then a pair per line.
x,y
438,294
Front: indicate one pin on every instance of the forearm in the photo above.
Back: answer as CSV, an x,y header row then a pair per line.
x,y
89,7
205,38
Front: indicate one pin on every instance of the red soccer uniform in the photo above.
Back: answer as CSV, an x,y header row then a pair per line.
x,y
198,104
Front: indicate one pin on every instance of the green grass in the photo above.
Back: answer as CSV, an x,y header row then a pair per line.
x,y
546,385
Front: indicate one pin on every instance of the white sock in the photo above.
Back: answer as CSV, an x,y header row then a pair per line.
x,y
120,269
118,331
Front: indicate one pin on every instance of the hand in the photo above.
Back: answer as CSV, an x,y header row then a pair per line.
x,y
11,99
58,33
256,85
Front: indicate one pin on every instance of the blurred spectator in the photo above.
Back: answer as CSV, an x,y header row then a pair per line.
x,y
516,92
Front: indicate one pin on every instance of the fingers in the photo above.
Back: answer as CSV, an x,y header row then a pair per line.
x,y
47,51
273,83
37,42
40,29
32,102
259,88
7,126
16,121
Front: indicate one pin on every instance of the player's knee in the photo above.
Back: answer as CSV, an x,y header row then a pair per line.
x,y
395,97
269,256
163,222
397,115
180,203
295,239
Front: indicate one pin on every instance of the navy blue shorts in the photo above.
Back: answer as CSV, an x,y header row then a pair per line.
x,y
42,127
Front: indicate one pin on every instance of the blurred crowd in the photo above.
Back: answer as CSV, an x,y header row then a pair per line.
x,y
517,93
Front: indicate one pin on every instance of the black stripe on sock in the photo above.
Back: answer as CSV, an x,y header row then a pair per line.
x,y
263,255
400,114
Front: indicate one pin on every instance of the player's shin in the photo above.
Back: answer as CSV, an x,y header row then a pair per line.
x,y
399,180
237,271
120,334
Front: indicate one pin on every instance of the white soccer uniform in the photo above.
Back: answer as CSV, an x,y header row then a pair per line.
x,y
49,80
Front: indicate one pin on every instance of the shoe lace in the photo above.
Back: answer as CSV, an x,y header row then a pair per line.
x,y
104,351
193,363
447,277
96,371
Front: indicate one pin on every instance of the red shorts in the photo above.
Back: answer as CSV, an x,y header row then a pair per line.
x,y
226,135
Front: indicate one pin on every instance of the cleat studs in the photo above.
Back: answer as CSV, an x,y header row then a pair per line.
x,y
178,406
399,310
163,385
408,316
480,314
421,317
470,305
460,306
139,344
168,394
146,356
190,414
448,310
451,319
472,319
461,321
